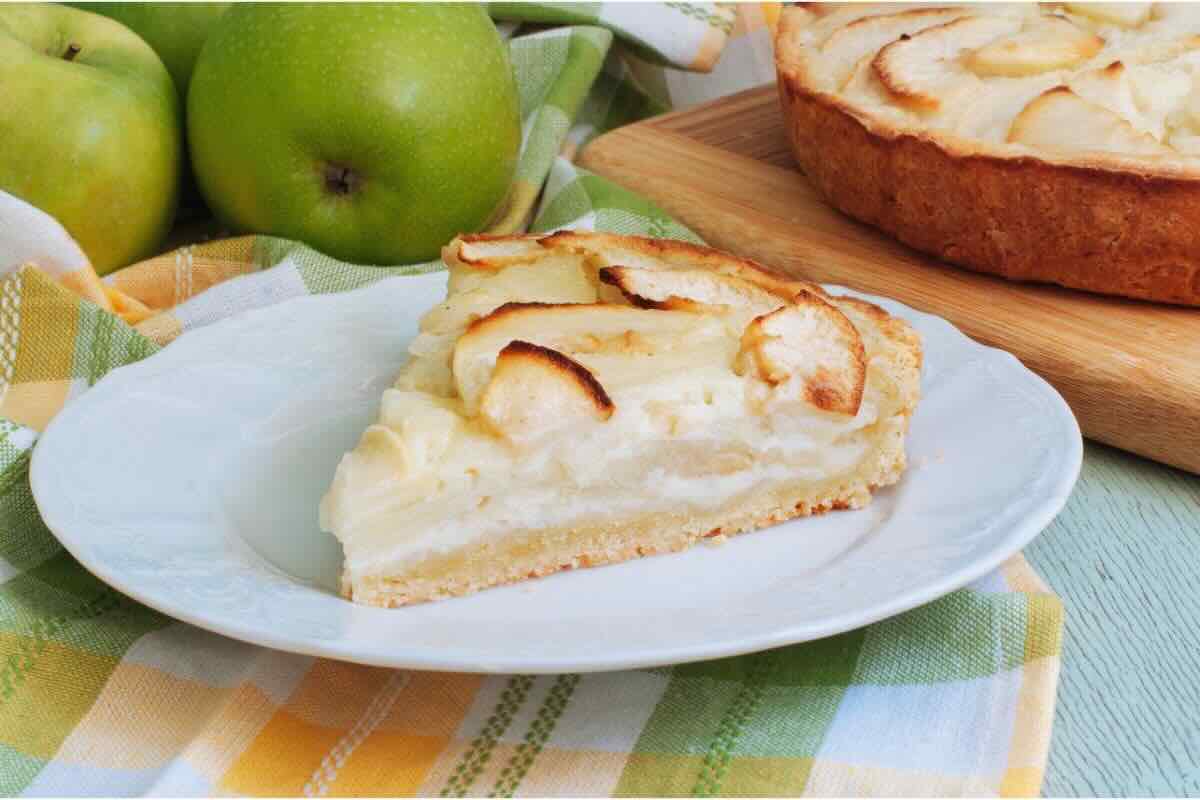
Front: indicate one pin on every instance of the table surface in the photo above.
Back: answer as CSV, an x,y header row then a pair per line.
x,y
1124,555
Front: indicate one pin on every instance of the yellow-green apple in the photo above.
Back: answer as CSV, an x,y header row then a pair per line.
x,y
89,129
374,133
175,31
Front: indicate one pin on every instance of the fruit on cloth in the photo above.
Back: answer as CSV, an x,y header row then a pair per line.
x,y
374,133
90,129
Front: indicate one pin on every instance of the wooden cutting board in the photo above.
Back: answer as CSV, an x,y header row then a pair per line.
x,y
1130,370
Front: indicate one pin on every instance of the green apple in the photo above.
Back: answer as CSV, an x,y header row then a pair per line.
x,y
374,133
89,129
176,31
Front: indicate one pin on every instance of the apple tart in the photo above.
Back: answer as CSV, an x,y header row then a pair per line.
x,y
583,399
1041,142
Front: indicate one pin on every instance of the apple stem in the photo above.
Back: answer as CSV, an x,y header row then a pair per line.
x,y
72,51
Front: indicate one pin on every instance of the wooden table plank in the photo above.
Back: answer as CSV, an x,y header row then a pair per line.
x,y
1124,555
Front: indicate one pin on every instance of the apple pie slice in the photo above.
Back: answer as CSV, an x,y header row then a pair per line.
x,y
583,399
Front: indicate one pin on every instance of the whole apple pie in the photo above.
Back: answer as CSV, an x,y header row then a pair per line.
x,y
1045,142
583,399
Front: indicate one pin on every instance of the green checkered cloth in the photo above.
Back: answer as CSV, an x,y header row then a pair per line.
x,y
99,695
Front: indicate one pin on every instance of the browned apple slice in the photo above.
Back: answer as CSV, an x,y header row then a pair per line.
x,y
426,423
537,282
485,272
1062,120
482,251
692,290
1146,96
1126,15
610,250
381,463
1112,88
851,43
1159,50
535,391
381,454
918,70
567,328
1049,44
811,348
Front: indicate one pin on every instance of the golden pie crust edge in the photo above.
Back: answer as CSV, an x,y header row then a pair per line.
x,y
1109,226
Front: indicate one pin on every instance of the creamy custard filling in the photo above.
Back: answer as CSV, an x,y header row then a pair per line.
x,y
479,489
388,538
381,551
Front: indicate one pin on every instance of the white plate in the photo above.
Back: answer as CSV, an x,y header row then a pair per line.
x,y
190,482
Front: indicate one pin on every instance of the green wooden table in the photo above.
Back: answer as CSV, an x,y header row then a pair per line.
x,y
1124,555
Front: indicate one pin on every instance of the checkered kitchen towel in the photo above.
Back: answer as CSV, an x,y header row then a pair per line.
x,y
99,695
